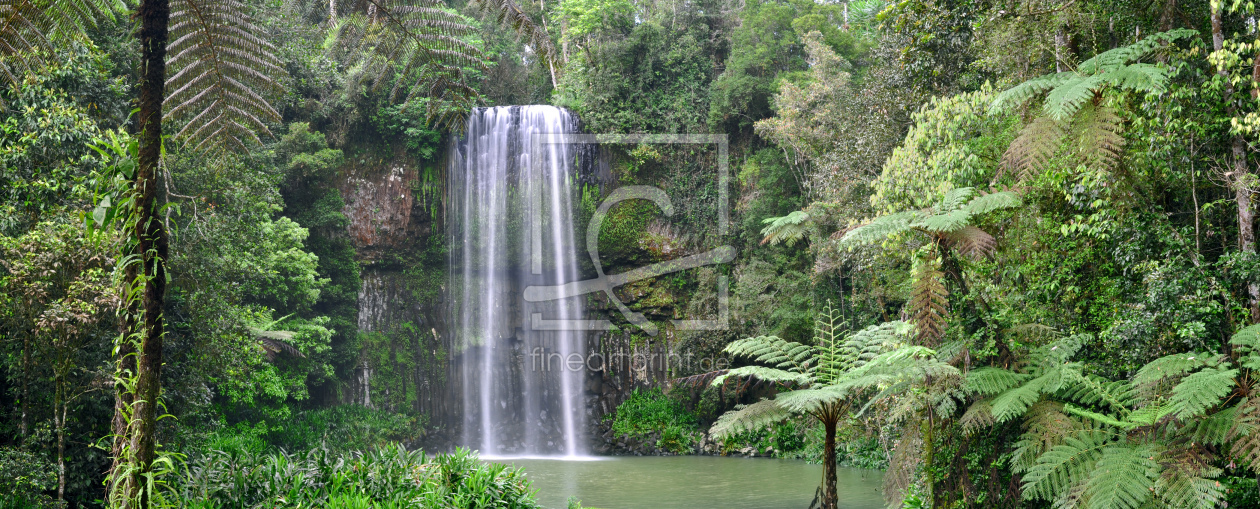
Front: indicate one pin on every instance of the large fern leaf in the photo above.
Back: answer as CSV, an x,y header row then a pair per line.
x,y
774,351
788,229
1201,391
1036,144
879,229
418,43
1101,142
31,30
219,74
1123,478
1247,343
987,381
1065,465
929,302
754,416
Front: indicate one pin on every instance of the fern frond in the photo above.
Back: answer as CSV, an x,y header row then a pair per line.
x,y
928,300
1117,57
987,381
1246,343
971,242
978,417
1065,465
810,400
1016,96
1034,147
1201,391
774,351
1188,478
1155,375
30,30
218,75
418,42
507,12
764,374
955,199
1101,143
989,202
1097,391
1102,419
1014,401
1123,478
943,223
788,229
879,229
1068,98
749,417
1245,433
1045,426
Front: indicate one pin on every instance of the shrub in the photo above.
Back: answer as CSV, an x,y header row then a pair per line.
x,y
389,477
651,411
24,476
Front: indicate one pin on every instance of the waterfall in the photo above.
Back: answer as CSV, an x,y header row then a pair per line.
x,y
512,225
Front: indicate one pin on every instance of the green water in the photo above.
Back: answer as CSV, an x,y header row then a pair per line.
x,y
693,482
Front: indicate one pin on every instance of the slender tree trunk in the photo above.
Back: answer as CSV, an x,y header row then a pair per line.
x,y
1239,176
151,246
26,390
59,421
830,416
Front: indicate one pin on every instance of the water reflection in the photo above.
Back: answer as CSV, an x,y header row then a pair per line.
x,y
693,482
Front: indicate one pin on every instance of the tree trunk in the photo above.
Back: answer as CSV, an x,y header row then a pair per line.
x,y
59,421
1239,177
829,418
151,247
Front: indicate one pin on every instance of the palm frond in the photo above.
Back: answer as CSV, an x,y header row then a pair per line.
x,y
219,75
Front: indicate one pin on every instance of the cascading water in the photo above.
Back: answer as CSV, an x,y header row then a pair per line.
x,y
512,226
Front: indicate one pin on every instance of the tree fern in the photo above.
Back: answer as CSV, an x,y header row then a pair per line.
x,y
1246,343
1036,144
507,12
1201,391
774,351
1123,478
1066,465
218,74
31,30
417,41
788,229
928,300
1188,479
1244,432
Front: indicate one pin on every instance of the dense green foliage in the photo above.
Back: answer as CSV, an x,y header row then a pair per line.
x,y
1035,222
651,411
389,477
